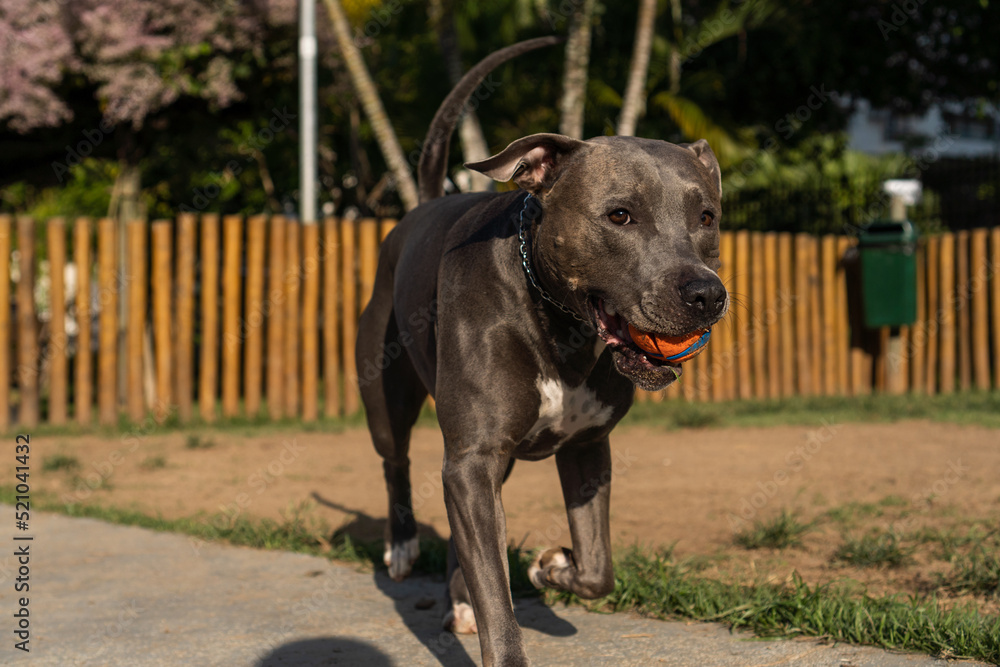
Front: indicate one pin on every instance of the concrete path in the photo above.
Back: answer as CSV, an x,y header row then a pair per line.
x,y
103,594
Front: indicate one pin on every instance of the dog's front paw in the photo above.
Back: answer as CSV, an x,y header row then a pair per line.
x,y
460,619
556,558
400,557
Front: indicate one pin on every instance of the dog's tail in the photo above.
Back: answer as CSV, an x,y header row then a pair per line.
x,y
434,153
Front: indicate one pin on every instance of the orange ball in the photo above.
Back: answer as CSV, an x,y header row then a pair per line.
x,y
671,348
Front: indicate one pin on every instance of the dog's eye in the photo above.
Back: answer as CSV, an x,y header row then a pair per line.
x,y
620,216
707,218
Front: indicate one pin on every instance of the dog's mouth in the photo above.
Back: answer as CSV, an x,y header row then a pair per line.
x,y
645,370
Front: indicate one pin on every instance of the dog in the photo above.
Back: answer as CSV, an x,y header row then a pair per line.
x,y
514,311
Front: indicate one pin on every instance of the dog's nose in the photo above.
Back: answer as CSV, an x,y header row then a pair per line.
x,y
708,297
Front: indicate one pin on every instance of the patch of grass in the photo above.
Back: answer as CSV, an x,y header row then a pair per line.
x,y
893,501
780,532
850,513
659,588
873,550
697,416
195,441
949,542
978,573
58,462
90,482
153,463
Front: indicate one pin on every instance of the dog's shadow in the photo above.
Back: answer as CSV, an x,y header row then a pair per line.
x,y
421,601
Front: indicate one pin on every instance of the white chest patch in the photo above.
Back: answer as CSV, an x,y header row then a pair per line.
x,y
567,410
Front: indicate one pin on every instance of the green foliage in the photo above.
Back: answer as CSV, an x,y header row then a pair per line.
x,y
86,190
977,572
153,463
58,462
874,550
195,441
780,532
658,587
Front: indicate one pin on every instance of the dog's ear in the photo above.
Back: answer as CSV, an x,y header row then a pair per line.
x,y
707,158
532,162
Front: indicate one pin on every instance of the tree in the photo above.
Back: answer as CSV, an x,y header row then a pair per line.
x,y
373,106
135,58
634,92
577,62
470,132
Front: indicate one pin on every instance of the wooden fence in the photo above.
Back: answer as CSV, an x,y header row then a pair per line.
x,y
231,316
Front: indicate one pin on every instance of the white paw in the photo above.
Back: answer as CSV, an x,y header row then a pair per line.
x,y
550,559
399,558
460,619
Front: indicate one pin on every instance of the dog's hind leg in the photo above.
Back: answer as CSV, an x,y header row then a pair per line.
x,y
393,395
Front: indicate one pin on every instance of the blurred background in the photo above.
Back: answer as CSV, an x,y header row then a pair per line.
x,y
143,106
151,162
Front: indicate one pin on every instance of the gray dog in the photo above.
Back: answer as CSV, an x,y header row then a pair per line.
x,y
514,310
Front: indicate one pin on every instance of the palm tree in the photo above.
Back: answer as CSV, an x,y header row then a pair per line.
x,y
470,132
575,75
634,92
372,104
688,40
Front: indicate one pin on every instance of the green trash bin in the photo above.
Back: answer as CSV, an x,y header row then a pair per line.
x,y
888,251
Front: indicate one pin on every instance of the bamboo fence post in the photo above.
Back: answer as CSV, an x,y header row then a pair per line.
x,y
310,323
107,351
209,374
772,322
758,320
293,290
331,321
828,271
803,342
980,309
934,311
135,232
367,259
948,302
815,300
741,272
860,359
384,229
162,316
843,323
963,306
184,386
27,325
58,344
703,377
275,379
5,340
723,387
349,310
918,340
687,386
232,287
995,285
785,313
253,343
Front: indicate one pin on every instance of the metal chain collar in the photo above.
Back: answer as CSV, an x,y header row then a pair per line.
x,y
522,233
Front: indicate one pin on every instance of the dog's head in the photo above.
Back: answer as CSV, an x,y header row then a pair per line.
x,y
629,234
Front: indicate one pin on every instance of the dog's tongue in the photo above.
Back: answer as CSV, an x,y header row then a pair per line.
x,y
670,348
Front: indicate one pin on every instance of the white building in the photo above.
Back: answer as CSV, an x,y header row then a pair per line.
x,y
878,131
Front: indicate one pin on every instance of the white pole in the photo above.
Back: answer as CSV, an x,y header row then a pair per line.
x,y
307,111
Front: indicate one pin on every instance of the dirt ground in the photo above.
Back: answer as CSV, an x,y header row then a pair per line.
x,y
693,489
